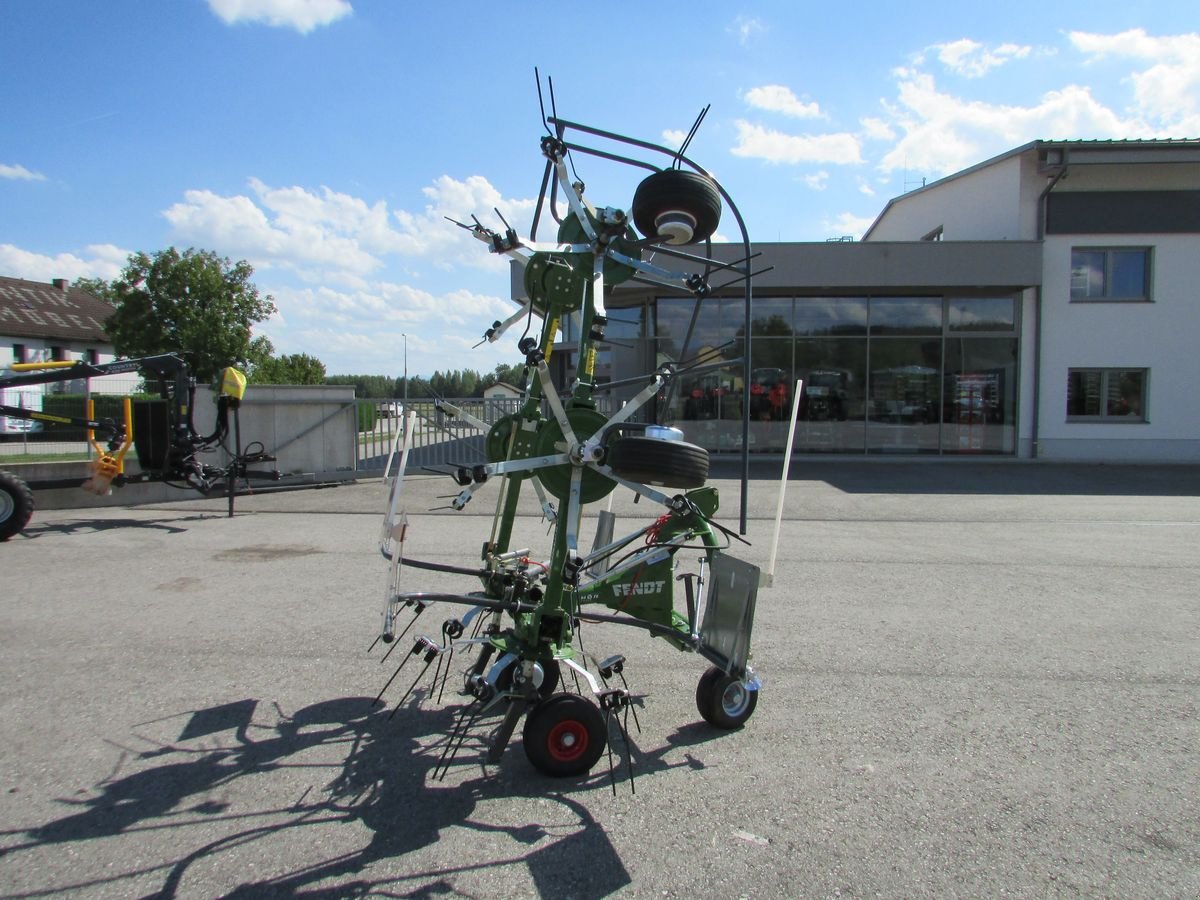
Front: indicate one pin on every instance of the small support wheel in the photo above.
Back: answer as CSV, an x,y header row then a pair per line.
x,y
16,505
675,464
564,735
546,676
724,701
677,207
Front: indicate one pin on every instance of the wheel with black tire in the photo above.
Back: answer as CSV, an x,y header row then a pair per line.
x,y
16,505
546,676
724,701
673,464
677,207
564,735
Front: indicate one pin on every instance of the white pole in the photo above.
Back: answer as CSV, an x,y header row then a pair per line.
x,y
389,519
787,460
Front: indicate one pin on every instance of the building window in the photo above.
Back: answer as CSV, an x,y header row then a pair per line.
x,y
18,353
58,354
91,356
1106,395
1110,273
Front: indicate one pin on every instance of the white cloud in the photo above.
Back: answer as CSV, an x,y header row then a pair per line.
x,y
362,330
303,15
877,129
757,142
744,28
943,133
1165,93
780,99
99,261
817,181
940,132
327,234
847,224
20,173
672,137
972,59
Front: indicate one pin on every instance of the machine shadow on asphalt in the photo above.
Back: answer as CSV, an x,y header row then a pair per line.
x,y
168,524
379,772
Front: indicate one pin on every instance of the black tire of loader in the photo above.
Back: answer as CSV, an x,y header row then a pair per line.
x,y
674,464
16,508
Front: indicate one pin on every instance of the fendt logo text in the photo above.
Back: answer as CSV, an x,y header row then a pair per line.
x,y
641,588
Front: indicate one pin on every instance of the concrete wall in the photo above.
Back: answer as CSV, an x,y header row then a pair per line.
x,y
310,428
313,430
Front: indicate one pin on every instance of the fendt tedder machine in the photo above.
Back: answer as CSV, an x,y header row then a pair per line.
x,y
160,430
524,624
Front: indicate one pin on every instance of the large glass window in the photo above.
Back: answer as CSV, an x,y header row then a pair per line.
x,y
904,396
686,327
979,401
1106,395
981,314
830,316
1110,273
832,406
880,374
906,315
772,317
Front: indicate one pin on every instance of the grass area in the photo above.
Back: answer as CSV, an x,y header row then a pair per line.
x,y
74,456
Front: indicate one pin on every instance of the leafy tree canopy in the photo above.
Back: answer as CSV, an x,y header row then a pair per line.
x,y
194,303
459,383
292,368
97,287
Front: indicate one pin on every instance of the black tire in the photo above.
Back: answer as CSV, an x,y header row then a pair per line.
x,y
674,189
16,505
550,677
724,701
674,464
565,735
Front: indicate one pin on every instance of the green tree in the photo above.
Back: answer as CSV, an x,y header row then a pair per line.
x,y
97,287
194,303
293,368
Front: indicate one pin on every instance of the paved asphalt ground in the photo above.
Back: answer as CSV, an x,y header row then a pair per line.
x,y
980,680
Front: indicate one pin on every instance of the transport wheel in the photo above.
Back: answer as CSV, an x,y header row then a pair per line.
x,y
675,464
724,701
678,207
565,735
16,505
545,677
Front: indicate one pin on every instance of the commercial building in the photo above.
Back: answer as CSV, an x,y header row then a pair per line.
x,y
1040,304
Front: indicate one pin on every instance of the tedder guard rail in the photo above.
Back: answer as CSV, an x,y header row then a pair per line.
x,y
161,431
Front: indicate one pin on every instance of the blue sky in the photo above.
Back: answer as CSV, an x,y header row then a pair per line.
x,y
325,140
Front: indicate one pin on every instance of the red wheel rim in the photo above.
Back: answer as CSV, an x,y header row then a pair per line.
x,y
567,741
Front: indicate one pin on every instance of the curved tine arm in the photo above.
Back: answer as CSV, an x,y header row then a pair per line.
x,y
648,492
585,674
457,412
556,407
548,509
575,201
597,286
528,464
658,379
652,272
574,510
